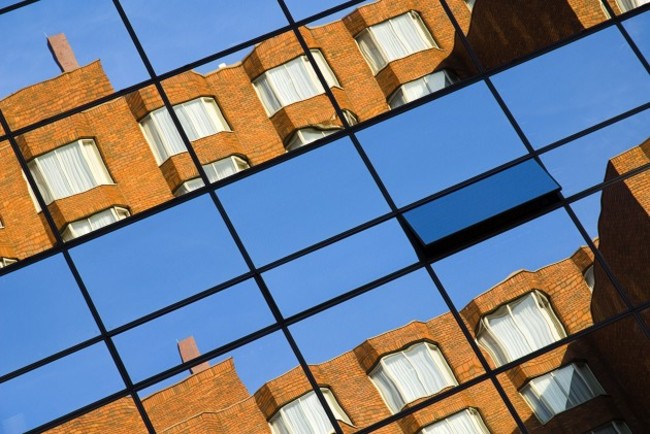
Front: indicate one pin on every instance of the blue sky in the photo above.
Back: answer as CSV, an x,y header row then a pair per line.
x,y
134,271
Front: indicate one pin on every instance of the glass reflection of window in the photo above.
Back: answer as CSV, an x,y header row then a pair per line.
x,y
467,421
561,390
69,170
304,136
420,87
414,373
590,280
614,427
519,328
200,118
626,5
215,171
293,81
394,39
92,223
305,415
7,261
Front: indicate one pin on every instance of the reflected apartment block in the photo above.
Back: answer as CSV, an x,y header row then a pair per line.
x,y
593,384
126,156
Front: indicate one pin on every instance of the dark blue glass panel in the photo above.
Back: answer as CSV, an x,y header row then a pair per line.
x,y
305,200
42,311
340,267
480,201
574,87
56,389
440,144
158,261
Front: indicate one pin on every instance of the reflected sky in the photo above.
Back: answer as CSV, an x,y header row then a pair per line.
x,y
573,88
639,29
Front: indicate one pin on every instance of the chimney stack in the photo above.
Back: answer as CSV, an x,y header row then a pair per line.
x,y
189,351
62,52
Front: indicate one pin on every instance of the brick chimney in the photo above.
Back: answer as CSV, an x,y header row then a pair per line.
x,y
62,52
189,351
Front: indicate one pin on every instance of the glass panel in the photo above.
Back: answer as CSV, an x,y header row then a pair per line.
x,y
476,410
594,371
340,267
639,29
33,77
204,27
622,6
213,321
42,312
59,388
347,341
502,32
237,392
617,219
544,260
135,270
439,144
503,192
583,162
118,416
571,88
303,201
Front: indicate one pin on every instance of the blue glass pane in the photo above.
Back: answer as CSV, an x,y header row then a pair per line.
x,y
639,29
305,200
340,267
583,162
479,201
42,311
441,144
574,87
136,270
178,32
57,389
213,321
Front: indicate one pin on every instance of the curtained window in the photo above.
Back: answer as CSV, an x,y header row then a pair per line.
x,y
199,118
216,170
407,375
421,87
614,427
68,170
519,328
91,223
304,136
305,415
293,81
626,5
467,421
560,390
590,280
7,261
394,39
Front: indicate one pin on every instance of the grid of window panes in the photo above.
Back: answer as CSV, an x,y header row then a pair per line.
x,y
426,216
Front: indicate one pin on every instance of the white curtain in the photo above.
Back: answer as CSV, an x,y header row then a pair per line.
x,y
405,376
429,372
389,41
52,176
538,407
195,119
314,412
536,325
415,89
324,68
370,51
171,143
406,29
514,343
573,385
295,418
390,393
220,169
102,219
436,81
76,168
463,422
551,393
267,95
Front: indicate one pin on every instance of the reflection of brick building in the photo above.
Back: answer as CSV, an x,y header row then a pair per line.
x,y
133,181
213,399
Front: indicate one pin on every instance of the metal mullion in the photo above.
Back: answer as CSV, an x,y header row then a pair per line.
x,y
17,5
472,343
619,25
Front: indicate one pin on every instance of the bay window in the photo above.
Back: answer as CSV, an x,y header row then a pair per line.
x,y
199,118
614,427
304,136
305,415
627,5
519,328
91,223
414,373
561,390
215,171
466,421
394,39
68,170
293,81
420,87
